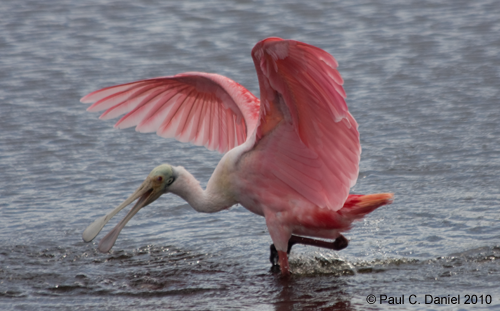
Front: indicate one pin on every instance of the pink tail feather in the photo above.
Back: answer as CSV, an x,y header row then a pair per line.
x,y
355,207
358,205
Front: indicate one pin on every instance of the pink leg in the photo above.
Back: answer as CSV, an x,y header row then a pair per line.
x,y
283,260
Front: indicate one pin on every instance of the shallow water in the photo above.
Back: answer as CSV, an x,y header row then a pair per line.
x,y
422,80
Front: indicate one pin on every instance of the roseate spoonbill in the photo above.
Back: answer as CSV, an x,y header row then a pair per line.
x,y
290,157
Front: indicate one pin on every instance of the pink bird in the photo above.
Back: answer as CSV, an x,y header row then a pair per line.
x,y
290,157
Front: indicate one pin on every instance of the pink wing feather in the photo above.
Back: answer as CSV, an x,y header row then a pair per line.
x,y
206,109
312,138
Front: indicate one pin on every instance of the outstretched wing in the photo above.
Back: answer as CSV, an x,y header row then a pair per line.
x,y
312,139
205,109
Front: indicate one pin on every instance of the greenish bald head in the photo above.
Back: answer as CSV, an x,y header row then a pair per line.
x,y
162,170
162,176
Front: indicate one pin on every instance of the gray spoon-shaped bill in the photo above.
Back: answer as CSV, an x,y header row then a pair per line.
x,y
146,193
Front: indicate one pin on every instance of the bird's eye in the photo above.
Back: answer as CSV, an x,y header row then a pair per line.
x,y
159,178
170,181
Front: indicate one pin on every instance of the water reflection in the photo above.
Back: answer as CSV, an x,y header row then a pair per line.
x,y
317,292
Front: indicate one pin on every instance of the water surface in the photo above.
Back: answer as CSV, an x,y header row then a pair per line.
x,y
422,79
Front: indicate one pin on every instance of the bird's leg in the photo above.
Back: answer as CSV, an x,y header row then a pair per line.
x,y
274,258
283,262
340,243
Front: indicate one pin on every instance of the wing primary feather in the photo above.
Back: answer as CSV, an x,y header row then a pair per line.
x,y
175,110
147,102
201,131
183,115
157,113
133,93
210,120
107,91
165,128
196,120
172,93
216,127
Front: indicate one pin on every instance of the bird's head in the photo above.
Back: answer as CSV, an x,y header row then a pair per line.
x,y
160,179
156,184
